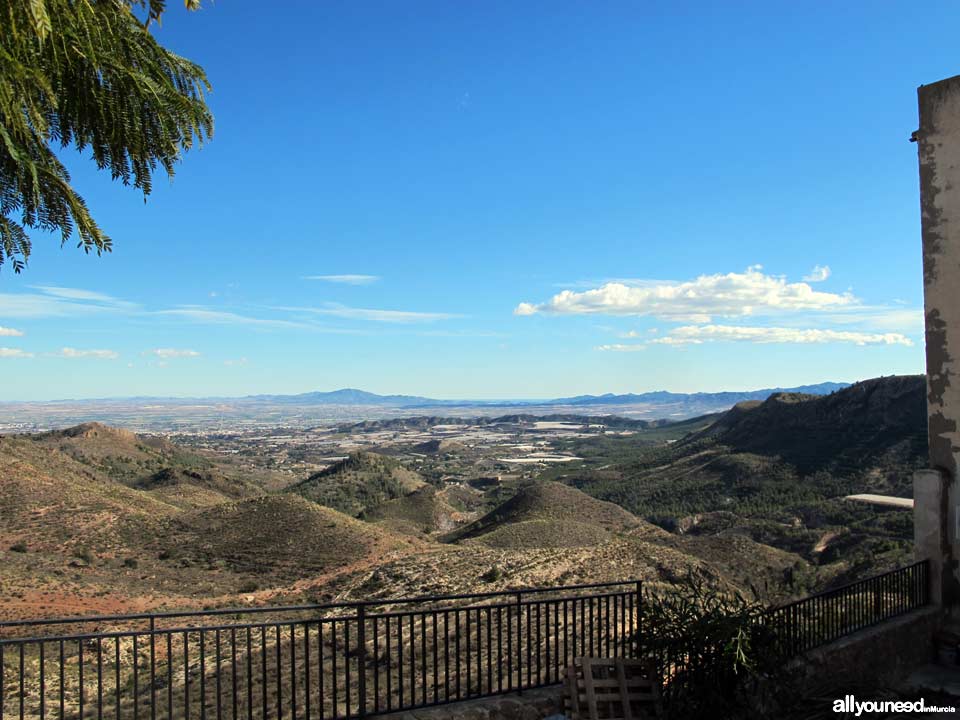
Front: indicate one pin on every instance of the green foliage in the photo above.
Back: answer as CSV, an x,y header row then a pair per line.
x,y
18,547
90,75
711,649
493,574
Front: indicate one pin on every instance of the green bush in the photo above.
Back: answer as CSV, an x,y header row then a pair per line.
x,y
492,575
713,652
19,547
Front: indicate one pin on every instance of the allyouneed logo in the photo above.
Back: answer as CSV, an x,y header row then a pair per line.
x,y
849,704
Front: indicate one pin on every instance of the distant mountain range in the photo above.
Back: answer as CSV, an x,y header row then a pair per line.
x,y
352,396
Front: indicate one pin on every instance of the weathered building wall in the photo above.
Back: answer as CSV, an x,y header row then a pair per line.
x,y
938,140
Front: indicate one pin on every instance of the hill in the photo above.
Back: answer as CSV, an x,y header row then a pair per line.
x,y
548,514
422,512
277,539
779,469
360,482
119,454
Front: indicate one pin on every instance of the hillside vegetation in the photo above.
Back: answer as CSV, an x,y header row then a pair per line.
x,y
779,470
360,482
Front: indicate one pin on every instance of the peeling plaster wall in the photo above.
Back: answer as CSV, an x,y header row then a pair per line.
x,y
939,156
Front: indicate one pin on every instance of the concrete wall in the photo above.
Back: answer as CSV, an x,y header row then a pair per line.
x,y
938,140
879,657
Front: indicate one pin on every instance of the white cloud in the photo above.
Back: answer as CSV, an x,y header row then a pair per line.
x,y
620,347
73,353
52,301
387,316
167,353
14,353
219,317
235,363
699,334
818,274
751,292
10,332
345,279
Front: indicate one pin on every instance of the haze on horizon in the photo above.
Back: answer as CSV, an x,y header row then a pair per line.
x,y
495,201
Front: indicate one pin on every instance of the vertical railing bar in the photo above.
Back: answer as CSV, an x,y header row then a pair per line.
x,y
456,639
468,652
362,659
263,671
186,676
249,664
169,677
63,689
233,673
389,666
219,660
306,669
153,669
446,655
400,704
333,656
489,651
346,666
278,646
293,670
79,677
436,661
376,666
499,648
116,676
413,659
321,698
529,633
203,674
99,678
423,655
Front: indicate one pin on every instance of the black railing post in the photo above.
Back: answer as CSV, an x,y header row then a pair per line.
x,y
519,644
362,658
639,645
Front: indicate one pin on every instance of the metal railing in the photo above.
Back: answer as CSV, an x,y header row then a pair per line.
x,y
819,619
310,661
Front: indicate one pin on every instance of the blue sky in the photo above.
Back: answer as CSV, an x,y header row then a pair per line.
x,y
526,199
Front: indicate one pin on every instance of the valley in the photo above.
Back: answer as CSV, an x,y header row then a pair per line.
x,y
96,518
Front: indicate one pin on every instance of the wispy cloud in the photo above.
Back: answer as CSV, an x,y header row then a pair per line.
x,y
73,353
239,362
818,274
345,279
53,301
14,353
374,315
10,332
699,334
622,347
169,353
221,317
751,292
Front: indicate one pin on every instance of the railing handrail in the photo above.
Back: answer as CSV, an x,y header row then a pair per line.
x,y
848,586
81,619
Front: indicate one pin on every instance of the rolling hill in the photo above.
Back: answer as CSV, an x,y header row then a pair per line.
x,y
548,514
360,482
779,470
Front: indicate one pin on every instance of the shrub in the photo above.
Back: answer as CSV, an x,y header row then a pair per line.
x,y
718,658
131,563
19,547
84,554
492,575
249,586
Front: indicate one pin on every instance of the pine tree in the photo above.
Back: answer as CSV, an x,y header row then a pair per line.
x,y
87,74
